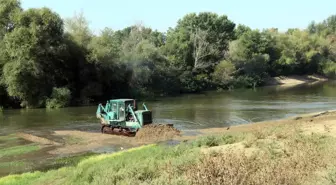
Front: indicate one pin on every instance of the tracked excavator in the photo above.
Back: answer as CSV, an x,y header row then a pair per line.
x,y
122,117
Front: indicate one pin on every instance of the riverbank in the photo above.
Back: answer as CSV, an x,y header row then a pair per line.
x,y
286,81
295,80
298,150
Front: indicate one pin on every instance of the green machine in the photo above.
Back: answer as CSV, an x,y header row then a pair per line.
x,y
122,117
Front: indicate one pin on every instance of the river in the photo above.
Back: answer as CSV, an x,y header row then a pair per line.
x,y
209,109
186,112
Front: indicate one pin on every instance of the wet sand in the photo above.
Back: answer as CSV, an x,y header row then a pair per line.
x,y
80,141
295,80
312,121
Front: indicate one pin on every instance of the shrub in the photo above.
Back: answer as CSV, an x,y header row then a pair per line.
x,y
60,97
223,73
329,69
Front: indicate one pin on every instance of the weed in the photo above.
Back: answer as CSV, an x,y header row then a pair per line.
x,y
264,167
260,134
67,161
207,141
12,164
230,139
331,176
8,138
211,141
17,150
249,141
326,128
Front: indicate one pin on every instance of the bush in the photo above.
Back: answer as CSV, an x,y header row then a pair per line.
x,y
223,73
329,69
60,97
189,82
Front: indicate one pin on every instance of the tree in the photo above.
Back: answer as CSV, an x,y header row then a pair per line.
x,y
211,29
104,48
202,48
253,55
33,49
301,53
144,61
8,10
325,28
240,30
78,27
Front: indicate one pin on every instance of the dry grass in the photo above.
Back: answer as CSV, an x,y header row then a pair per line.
x,y
292,160
285,154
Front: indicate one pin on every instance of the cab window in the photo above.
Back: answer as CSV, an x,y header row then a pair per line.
x,y
114,107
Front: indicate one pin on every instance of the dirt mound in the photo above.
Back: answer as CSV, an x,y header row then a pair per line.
x,y
37,139
157,132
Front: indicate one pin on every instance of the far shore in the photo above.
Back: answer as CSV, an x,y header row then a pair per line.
x,y
295,80
281,81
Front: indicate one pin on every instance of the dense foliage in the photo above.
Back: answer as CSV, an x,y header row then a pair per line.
x,y
49,62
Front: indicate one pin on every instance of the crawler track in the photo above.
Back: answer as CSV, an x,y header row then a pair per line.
x,y
117,131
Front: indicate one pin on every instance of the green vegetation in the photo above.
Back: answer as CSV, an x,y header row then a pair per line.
x,y
15,167
56,163
11,164
218,140
18,150
60,97
8,138
11,148
49,62
283,155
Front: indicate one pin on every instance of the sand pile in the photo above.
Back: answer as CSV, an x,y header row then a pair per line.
x,y
157,132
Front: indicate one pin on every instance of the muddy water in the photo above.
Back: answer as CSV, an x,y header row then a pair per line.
x,y
187,112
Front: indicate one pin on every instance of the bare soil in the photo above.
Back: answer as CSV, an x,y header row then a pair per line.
x,y
312,122
37,139
80,141
157,132
295,80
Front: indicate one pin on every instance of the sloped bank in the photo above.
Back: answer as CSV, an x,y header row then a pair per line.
x,y
301,150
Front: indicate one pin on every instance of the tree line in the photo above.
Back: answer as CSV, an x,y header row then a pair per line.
x,y
46,61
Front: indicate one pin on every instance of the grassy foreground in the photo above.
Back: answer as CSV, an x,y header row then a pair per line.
x,y
285,154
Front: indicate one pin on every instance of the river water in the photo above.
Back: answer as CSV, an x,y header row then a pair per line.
x,y
210,109
186,112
